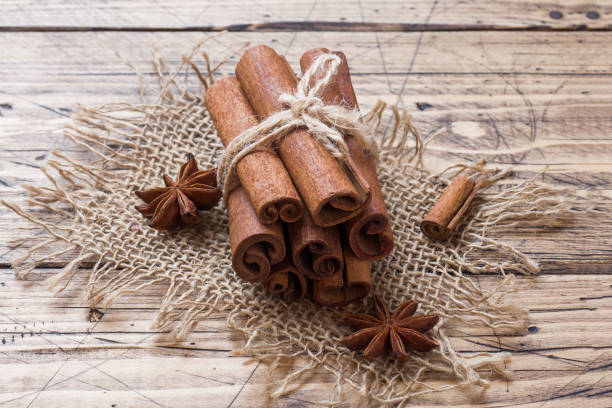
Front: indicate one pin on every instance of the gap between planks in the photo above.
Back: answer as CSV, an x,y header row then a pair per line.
x,y
314,26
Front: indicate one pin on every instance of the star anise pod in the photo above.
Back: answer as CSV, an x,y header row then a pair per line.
x,y
180,201
383,332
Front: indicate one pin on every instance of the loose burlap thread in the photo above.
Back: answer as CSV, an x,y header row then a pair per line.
x,y
88,213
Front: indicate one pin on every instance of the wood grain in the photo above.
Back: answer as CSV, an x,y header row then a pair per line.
x,y
51,346
373,15
520,100
534,97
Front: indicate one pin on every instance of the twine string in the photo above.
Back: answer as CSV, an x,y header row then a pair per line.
x,y
193,271
327,123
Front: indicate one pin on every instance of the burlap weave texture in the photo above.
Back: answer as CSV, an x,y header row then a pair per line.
x,y
131,146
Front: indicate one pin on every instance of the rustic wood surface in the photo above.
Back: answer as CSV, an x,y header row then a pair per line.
x,y
523,83
308,15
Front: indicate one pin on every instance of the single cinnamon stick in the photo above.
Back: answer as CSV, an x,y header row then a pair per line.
x,y
441,221
255,246
344,288
369,233
287,281
261,173
333,191
316,251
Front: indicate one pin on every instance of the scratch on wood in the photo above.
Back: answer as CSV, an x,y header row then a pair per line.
x,y
416,51
97,368
559,393
44,387
314,4
58,370
503,347
243,385
384,64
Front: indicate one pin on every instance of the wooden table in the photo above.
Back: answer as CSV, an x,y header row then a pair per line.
x,y
522,83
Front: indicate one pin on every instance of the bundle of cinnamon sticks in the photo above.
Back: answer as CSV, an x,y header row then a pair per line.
x,y
301,221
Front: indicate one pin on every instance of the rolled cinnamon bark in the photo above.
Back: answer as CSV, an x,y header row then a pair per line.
x,y
287,281
441,221
316,251
344,287
333,191
255,246
261,173
369,233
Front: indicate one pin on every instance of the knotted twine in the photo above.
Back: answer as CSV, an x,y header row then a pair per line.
x,y
327,123
86,213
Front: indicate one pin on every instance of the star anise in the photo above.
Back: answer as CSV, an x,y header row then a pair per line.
x,y
398,332
180,201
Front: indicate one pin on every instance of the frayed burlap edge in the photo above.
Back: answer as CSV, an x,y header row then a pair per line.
x,y
123,139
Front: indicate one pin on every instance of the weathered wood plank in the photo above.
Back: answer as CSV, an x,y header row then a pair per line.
x,y
563,356
525,100
378,15
85,54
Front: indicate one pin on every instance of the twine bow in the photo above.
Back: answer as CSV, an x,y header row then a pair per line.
x,y
327,123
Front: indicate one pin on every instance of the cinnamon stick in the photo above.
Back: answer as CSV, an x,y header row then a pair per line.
x,y
255,246
344,287
287,281
333,191
261,173
369,233
316,251
442,219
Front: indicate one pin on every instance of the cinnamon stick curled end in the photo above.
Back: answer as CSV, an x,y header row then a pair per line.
x,y
261,173
316,251
441,221
255,246
287,281
370,236
288,210
333,191
346,286
369,233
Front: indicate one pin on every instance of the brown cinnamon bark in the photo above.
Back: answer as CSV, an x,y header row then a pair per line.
x,y
287,281
441,221
261,173
316,251
255,246
344,287
369,233
333,191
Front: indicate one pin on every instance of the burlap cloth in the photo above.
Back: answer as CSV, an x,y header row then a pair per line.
x,y
89,213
